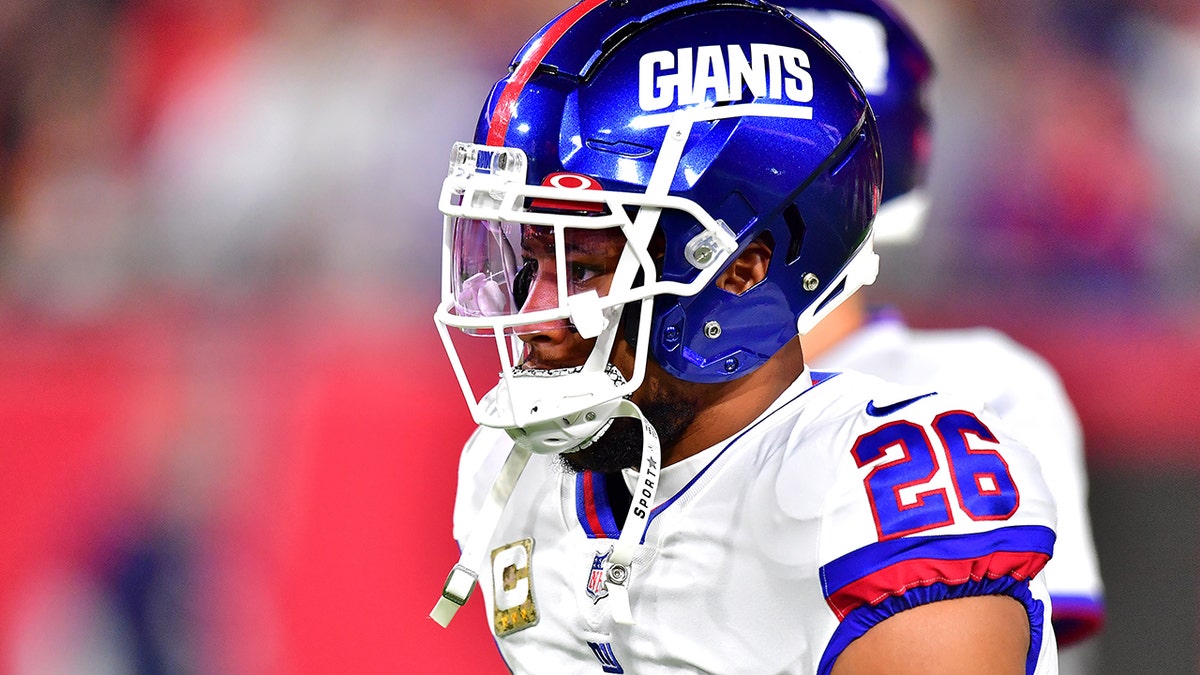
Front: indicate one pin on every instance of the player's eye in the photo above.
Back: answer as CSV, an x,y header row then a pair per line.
x,y
582,273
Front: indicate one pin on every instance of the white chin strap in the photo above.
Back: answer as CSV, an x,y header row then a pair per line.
x,y
621,561
464,576
461,581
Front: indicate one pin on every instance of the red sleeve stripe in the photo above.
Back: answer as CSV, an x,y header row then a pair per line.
x,y
507,105
919,572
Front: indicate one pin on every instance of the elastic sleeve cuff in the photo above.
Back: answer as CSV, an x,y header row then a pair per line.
x,y
864,617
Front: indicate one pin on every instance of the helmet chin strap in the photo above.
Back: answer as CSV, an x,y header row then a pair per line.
x,y
619,571
464,576
461,581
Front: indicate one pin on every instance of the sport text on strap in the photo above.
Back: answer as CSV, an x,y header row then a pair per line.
x,y
619,572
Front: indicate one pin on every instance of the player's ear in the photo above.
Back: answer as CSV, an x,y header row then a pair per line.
x,y
749,268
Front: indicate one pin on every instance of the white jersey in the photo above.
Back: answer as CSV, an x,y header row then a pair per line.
x,y
1026,393
848,500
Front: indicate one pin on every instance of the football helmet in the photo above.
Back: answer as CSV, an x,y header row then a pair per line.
x,y
688,129
896,72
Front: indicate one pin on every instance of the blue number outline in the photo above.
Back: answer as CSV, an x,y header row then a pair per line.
x,y
952,428
919,465
931,509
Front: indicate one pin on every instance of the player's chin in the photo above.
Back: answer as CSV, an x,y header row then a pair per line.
x,y
618,447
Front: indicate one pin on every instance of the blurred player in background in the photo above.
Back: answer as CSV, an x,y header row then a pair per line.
x,y
660,197
895,71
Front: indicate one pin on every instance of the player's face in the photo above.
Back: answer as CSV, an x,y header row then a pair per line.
x,y
591,257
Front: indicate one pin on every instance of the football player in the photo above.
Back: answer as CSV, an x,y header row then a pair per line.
x,y
895,71
660,197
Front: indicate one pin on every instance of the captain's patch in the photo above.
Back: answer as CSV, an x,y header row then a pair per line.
x,y
512,586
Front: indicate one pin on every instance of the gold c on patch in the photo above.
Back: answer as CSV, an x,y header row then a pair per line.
x,y
512,587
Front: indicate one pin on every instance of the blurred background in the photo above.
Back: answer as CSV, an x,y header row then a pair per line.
x,y
228,432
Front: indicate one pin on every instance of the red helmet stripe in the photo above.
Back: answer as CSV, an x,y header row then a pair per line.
x,y
498,127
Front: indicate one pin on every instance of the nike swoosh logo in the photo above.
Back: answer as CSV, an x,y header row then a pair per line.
x,y
884,411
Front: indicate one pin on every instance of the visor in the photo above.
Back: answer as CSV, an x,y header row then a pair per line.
x,y
528,275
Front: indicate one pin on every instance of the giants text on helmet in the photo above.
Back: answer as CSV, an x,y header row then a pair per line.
x,y
686,75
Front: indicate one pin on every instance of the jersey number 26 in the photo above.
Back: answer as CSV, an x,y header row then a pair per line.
x,y
981,480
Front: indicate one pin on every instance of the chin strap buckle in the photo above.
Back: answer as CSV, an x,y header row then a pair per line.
x,y
462,578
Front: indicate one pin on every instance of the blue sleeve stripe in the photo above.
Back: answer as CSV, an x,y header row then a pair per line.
x,y
870,559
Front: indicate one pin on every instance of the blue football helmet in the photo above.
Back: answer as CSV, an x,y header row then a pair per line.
x,y
895,70
687,129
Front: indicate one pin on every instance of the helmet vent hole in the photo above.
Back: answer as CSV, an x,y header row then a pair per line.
x,y
841,287
796,227
622,148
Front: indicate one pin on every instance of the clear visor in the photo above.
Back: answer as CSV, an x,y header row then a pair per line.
x,y
528,275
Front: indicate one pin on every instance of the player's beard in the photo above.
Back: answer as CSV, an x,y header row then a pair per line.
x,y
620,445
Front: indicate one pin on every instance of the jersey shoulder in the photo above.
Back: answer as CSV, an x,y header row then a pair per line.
x,y
919,459
916,496
858,438
849,402
482,457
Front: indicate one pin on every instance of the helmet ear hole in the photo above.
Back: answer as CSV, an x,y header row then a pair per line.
x,y
750,267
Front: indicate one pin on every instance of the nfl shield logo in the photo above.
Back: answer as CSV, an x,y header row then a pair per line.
x,y
596,588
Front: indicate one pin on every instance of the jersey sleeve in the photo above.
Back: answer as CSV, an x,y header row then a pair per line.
x,y
933,500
